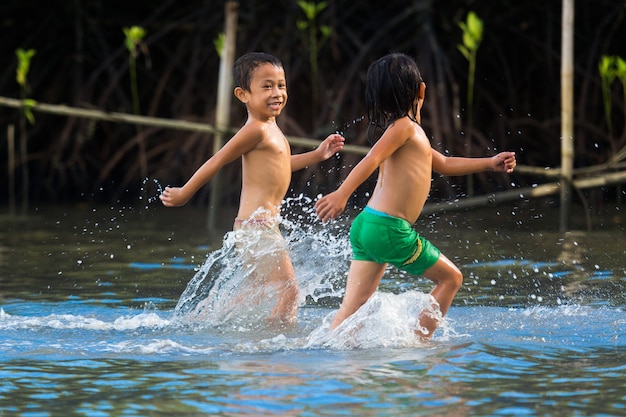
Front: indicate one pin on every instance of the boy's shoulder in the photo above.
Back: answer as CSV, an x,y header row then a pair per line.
x,y
406,127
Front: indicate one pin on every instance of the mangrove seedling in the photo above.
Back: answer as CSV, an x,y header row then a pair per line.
x,y
309,29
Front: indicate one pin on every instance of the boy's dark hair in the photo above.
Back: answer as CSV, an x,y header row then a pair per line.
x,y
391,90
242,71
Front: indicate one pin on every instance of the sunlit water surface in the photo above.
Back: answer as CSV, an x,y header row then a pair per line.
x,y
89,326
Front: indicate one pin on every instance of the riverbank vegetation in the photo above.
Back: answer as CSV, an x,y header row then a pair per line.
x,y
82,60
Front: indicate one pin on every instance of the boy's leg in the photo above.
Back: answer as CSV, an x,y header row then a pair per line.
x,y
266,250
363,279
283,279
448,280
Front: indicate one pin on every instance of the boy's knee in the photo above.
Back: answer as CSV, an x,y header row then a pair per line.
x,y
457,278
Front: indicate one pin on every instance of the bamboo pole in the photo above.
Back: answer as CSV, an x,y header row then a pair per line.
x,y
114,117
567,113
524,193
63,110
224,98
11,167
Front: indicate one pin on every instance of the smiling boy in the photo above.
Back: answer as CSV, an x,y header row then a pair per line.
x,y
267,165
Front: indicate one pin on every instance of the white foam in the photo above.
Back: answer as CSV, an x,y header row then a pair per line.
x,y
385,320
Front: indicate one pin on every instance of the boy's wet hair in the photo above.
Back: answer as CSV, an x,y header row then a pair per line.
x,y
246,64
391,91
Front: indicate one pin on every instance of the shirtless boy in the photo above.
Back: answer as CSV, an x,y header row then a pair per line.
x,y
382,232
267,164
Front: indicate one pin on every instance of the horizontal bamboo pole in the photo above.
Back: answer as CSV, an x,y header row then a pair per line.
x,y
523,193
63,110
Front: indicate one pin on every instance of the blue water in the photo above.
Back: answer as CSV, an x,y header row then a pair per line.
x,y
88,325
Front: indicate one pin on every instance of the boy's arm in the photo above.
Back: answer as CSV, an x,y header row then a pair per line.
x,y
243,141
330,146
451,166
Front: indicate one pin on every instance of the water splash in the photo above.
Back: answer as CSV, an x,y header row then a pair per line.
x,y
221,292
342,128
231,290
385,320
320,254
153,196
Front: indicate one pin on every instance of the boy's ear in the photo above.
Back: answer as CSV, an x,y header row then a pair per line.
x,y
240,93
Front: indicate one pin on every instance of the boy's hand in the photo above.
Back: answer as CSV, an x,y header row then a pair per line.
x,y
330,206
173,197
504,162
330,146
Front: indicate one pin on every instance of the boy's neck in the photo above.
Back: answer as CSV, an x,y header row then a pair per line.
x,y
253,118
417,119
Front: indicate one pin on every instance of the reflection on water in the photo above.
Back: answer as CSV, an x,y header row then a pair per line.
x,y
88,327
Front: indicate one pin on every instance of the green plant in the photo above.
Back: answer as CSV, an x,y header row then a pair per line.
x,y
24,58
309,29
472,37
134,41
611,68
607,76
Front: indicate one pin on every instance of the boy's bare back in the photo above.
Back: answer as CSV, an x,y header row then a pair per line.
x,y
404,177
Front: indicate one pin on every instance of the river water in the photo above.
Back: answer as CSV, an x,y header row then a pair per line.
x,y
88,323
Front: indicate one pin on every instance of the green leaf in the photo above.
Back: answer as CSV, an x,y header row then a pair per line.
x,y
605,64
469,41
619,66
219,43
472,31
28,109
475,26
133,36
319,7
607,69
23,64
308,8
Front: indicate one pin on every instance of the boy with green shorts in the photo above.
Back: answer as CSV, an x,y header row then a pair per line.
x,y
381,234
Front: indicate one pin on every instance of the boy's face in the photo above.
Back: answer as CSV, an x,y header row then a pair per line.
x,y
268,91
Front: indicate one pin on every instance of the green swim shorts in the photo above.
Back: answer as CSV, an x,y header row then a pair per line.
x,y
381,238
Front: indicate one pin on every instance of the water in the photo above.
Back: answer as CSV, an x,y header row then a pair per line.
x,y
88,323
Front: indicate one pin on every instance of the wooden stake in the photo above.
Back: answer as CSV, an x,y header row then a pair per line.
x,y
11,167
224,99
567,111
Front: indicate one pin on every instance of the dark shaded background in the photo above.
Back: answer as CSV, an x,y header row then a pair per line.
x,y
81,60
